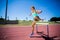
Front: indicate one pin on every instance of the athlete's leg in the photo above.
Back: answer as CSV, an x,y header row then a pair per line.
x,y
38,19
33,24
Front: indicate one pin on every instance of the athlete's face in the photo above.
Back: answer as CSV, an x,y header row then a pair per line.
x,y
32,9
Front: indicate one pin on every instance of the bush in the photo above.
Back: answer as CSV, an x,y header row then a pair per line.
x,y
55,19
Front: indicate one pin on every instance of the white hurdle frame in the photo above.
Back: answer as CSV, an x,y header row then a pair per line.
x,y
43,24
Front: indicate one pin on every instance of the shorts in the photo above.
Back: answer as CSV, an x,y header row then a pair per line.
x,y
37,18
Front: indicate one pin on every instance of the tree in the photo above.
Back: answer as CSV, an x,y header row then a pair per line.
x,y
1,19
55,19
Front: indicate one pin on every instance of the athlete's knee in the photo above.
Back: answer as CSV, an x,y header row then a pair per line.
x,y
33,25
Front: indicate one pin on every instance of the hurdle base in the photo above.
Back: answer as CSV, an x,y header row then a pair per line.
x,y
35,36
44,37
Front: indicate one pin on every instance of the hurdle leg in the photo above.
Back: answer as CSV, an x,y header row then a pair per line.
x,y
47,30
36,27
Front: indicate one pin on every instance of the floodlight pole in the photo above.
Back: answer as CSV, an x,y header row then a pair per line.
x,y
6,11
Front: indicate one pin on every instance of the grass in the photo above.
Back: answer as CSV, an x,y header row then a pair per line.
x,y
27,23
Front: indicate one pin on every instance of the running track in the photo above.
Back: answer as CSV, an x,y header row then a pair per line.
x,y
16,32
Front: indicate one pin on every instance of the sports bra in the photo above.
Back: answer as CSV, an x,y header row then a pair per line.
x,y
34,14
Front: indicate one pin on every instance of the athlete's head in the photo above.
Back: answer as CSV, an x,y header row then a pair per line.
x,y
32,8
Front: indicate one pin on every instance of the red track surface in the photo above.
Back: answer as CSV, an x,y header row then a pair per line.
x,y
10,32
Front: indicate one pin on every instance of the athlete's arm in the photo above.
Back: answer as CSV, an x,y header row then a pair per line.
x,y
38,11
30,14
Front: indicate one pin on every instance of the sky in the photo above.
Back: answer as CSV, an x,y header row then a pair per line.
x,y
21,9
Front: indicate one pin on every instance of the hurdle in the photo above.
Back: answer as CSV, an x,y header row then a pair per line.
x,y
42,23
44,36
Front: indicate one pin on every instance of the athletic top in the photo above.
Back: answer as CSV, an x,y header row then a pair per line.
x,y
34,14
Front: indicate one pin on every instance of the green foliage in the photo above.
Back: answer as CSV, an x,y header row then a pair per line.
x,y
54,19
25,22
1,19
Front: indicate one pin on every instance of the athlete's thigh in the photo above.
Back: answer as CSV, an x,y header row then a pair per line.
x,y
34,22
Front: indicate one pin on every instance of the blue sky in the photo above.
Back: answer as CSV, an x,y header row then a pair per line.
x,y
21,8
